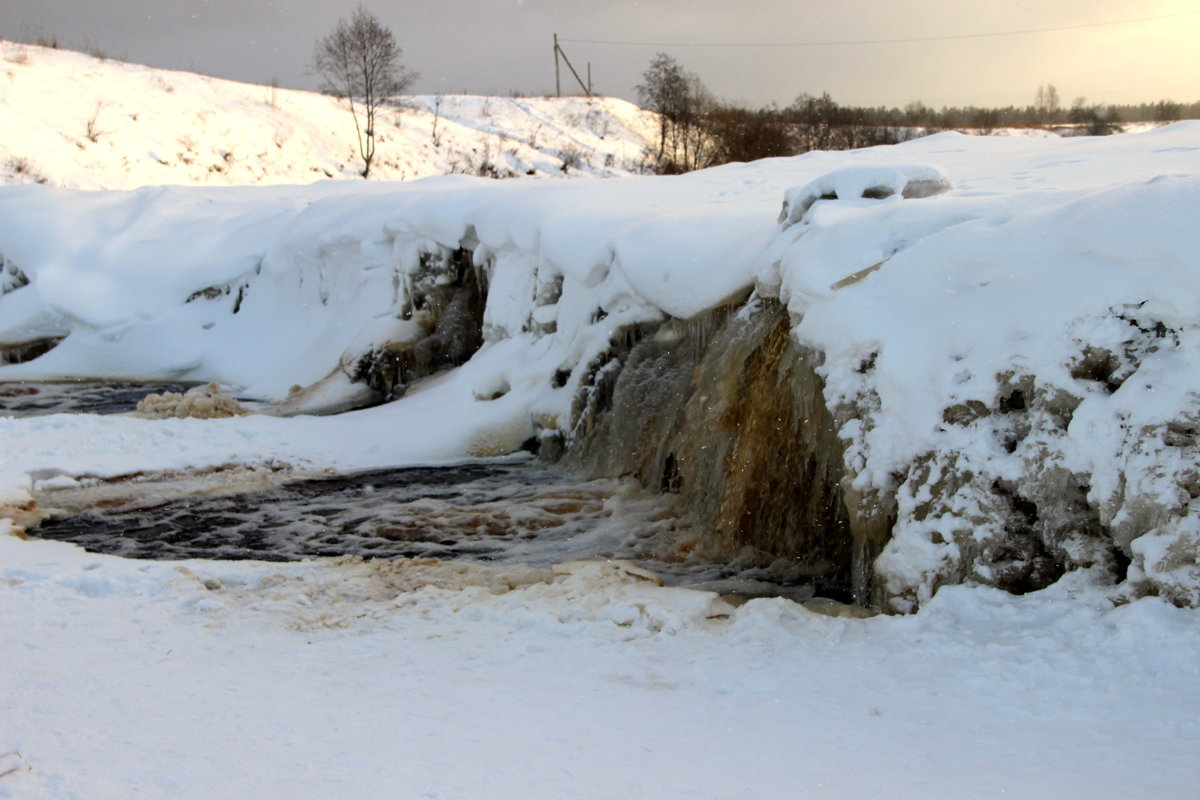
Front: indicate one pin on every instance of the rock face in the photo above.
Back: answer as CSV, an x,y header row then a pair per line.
x,y
446,299
1026,474
728,414
27,351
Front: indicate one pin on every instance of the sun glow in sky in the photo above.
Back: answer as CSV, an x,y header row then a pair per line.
x,y
743,51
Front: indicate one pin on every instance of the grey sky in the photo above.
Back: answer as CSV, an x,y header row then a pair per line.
x,y
497,46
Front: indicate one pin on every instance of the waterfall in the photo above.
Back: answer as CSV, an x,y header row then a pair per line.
x,y
726,413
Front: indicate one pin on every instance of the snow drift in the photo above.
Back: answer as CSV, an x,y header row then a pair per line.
x,y
955,360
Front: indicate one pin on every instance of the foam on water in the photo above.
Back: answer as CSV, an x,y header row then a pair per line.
x,y
501,512
30,399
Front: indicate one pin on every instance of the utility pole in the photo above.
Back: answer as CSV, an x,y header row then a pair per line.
x,y
557,83
558,51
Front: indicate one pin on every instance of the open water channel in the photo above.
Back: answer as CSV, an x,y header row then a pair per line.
x,y
503,511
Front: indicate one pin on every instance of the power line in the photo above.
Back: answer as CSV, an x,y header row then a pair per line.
x,y
885,41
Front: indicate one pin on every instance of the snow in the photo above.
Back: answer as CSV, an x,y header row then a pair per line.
x,y
308,274
866,182
953,300
74,120
948,292
320,679
337,678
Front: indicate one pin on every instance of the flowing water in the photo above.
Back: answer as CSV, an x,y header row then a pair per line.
x,y
77,397
505,511
727,414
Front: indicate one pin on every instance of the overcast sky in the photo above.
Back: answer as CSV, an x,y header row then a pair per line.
x,y
498,46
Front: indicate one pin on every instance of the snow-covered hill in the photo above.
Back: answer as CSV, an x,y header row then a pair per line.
x,y
74,120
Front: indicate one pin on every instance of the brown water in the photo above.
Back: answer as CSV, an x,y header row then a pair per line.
x,y
497,512
29,399
506,511
726,414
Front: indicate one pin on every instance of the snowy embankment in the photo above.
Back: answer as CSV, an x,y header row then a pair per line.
x,y
1009,364
70,119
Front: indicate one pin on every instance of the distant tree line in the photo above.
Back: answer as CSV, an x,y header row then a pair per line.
x,y
697,130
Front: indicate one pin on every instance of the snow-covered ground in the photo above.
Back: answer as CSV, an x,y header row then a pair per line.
x,y
127,679
939,278
70,119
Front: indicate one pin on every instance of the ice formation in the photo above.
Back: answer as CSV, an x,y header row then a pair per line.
x,y
955,360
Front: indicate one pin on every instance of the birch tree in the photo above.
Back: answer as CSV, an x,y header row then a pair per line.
x,y
360,63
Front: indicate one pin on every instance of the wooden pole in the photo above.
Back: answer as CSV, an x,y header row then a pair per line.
x,y
557,83
578,79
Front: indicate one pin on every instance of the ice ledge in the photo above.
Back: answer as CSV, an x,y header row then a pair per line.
x,y
910,181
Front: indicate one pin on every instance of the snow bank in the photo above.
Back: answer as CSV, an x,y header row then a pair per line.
x,y
1009,363
998,363
74,120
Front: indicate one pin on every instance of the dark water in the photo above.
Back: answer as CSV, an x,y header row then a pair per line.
x,y
480,510
28,399
500,512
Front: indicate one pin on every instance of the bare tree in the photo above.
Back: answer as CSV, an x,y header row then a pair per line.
x,y
681,101
360,63
822,124
1047,102
665,91
741,134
